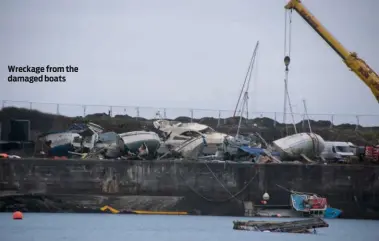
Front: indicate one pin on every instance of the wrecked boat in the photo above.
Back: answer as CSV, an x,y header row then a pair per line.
x,y
62,143
232,144
55,139
176,133
107,145
309,205
300,226
312,205
254,154
294,146
135,139
192,148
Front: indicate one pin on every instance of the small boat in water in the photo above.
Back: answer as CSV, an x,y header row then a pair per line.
x,y
312,205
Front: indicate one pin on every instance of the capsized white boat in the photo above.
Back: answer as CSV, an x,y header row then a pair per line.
x,y
58,138
291,147
72,135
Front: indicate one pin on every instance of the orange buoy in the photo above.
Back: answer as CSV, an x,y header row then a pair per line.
x,y
17,215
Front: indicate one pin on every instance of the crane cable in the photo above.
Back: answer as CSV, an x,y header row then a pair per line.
x,y
287,32
287,59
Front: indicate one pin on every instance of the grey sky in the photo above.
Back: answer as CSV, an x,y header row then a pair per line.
x,y
183,54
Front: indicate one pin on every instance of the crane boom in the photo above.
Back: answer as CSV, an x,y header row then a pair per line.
x,y
353,62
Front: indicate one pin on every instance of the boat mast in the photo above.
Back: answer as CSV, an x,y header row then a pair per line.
x,y
306,114
246,93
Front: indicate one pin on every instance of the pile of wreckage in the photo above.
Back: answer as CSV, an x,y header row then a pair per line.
x,y
173,139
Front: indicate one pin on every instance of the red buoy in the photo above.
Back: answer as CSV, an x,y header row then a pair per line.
x,y
17,215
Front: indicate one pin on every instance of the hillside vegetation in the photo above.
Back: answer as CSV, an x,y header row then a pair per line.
x,y
268,128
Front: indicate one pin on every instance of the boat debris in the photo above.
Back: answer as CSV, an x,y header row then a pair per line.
x,y
294,146
176,134
300,226
191,141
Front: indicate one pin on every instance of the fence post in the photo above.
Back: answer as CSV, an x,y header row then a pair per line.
x,y
164,113
4,103
219,118
137,113
191,111
110,111
84,111
357,125
57,109
331,121
275,119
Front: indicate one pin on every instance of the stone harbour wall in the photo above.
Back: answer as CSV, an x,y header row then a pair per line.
x,y
211,188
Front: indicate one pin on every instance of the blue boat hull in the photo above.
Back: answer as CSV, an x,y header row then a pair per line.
x,y
332,213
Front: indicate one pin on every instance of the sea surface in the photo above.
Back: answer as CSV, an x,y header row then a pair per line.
x,y
112,227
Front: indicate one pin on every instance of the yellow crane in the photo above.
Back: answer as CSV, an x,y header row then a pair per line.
x,y
351,59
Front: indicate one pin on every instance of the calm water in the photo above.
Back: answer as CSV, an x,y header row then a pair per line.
x,y
108,227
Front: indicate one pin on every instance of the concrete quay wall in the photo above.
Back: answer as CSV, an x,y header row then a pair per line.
x,y
352,188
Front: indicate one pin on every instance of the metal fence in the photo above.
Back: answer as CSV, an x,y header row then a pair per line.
x,y
73,110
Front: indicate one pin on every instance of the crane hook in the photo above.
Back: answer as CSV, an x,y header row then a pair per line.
x,y
287,61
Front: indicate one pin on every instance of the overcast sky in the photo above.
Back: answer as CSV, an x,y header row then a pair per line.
x,y
187,54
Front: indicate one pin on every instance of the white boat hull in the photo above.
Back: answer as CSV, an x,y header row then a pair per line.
x,y
291,147
214,140
58,139
134,139
191,148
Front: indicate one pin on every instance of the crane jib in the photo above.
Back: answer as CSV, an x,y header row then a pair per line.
x,y
355,64
310,20
364,72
